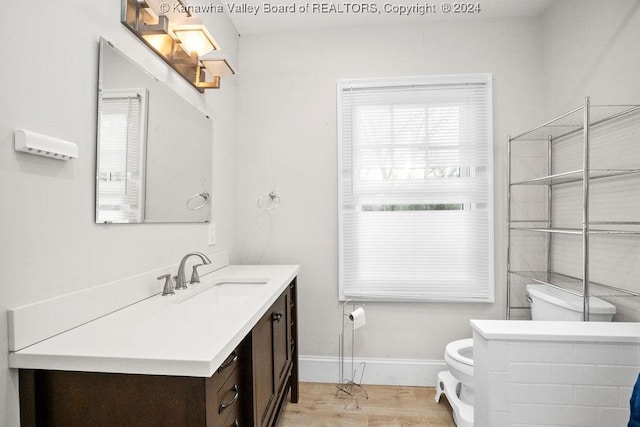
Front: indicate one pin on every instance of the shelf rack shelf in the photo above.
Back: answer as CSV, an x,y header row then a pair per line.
x,y
578,122
573,121
574,231
573,285
576,176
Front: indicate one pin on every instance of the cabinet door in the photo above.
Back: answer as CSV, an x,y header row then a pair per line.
x,y
264,390
281,339
272,358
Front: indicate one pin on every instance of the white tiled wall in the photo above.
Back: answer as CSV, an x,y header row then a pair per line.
x,y
553,383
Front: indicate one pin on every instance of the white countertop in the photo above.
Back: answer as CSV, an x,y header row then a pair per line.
x,y
527,330
162,336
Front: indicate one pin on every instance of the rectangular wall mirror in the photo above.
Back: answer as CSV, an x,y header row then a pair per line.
x,y
154,149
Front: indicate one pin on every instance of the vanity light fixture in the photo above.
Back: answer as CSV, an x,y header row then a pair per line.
x,y
194,37
218,65
179,39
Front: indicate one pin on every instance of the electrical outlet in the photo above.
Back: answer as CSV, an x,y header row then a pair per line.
x,y
212,234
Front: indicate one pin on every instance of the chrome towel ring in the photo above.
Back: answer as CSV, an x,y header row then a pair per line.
x,y
198,201
269,201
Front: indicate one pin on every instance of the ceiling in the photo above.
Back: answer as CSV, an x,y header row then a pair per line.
x,y
349,14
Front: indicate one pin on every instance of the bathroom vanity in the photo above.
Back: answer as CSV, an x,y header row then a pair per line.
x,y
221,354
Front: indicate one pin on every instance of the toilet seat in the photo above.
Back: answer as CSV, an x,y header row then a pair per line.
x,y
457,383
460,350
456,356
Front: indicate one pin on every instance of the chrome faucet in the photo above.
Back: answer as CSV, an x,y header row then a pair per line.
x,y
181,281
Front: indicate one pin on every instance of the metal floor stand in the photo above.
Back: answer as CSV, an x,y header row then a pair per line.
x,y
349,386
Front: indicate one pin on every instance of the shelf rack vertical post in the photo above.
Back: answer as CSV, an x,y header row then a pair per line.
x,y
549,237
585,210
508,316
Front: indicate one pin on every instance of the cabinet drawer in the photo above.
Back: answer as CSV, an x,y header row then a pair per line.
x,y
226,368
228,398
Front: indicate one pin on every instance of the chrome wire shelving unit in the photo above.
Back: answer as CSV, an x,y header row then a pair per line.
x,y
577,123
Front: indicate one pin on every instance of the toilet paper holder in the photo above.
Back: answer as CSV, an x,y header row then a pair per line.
x,y
350,386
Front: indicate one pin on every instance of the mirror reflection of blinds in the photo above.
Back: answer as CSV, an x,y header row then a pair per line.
x,y
121,157
415,189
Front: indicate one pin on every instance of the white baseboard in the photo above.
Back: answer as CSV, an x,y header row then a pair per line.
x,y
407,372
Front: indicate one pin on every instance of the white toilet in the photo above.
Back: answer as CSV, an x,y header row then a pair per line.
x,y
547,303
457,382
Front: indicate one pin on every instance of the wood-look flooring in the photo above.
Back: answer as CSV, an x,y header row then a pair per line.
x,y
387,406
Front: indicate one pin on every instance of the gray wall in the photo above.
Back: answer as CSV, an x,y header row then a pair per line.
x,y
287,113
592,48
541,66
49,244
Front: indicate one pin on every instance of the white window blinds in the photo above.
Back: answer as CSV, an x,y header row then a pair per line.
x,y
415,189
121,155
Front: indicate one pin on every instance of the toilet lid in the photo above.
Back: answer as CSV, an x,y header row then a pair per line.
x,y
461,351
569,301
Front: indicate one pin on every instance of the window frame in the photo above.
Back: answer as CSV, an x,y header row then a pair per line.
x,y
457,79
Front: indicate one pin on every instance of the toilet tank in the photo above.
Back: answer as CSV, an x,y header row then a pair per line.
x,y
548,303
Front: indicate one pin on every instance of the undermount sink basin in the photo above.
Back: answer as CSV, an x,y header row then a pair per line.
x,y
224,292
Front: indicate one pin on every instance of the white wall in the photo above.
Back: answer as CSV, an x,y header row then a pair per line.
x,y
592,48
287,133
49,242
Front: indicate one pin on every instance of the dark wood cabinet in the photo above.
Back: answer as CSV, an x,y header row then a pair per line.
x,y
229,393
64,398
248,389
273,359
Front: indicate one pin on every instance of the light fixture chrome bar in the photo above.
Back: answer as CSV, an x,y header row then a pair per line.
x,y
162,27
214,83
138,17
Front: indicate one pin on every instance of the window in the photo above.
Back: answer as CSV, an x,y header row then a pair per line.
x,y
121,157
415,189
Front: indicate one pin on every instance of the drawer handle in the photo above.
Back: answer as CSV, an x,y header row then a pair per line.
x,y
224,406
233,357
276,316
